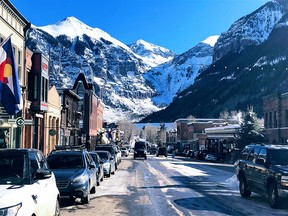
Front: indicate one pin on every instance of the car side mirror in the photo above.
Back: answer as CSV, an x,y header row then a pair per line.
x,y
43,174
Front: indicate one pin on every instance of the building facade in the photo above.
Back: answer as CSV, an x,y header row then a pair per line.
x,y
191,133
14,25
275,108
69,123
38,88
53,118
91,109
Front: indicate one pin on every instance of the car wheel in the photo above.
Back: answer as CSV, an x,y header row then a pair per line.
x,y
273,197
57,208
93,189
109,174
243,187
71,200
85,200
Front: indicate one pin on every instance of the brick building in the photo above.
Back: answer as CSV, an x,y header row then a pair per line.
x,y
275,108
191,132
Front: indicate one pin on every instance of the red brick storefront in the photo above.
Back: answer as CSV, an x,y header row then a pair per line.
x,y
275,108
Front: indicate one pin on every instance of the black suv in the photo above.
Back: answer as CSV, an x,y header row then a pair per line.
x,y
75,172
140,149
263,169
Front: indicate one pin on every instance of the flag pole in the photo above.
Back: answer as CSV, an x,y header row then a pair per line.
x,y
6,39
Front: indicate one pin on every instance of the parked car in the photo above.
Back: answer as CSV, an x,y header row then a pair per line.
x,y
124,152
128,146
161,151
140,149
201,154
210,157
190,154
153,150
108,162
118,154
99,167
263,169
75,173
112,150
27,186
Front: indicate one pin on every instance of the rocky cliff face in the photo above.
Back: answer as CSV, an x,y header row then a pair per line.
x,y
113,68
169,79
249,30
249,62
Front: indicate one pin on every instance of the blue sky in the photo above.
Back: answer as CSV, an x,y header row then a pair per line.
x,y
174,24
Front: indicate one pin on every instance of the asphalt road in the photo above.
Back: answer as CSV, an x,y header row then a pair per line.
x,y
166,186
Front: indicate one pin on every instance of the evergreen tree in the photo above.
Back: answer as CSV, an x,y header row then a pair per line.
x,y
250,130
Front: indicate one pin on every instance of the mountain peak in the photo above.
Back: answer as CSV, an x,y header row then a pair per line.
x,y
153,54
69,26
71,19
211,40
150,46
73,27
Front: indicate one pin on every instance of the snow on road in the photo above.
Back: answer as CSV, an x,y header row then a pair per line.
x,y
211,173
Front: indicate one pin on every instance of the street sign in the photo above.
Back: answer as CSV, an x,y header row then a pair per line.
x,y
20,121
52,132
29,122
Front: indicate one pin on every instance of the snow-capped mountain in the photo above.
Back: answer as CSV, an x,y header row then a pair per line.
x,y
170,78
114,69
228,72
250,61
249,30
151,54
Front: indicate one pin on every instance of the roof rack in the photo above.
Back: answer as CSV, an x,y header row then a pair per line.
x,y
70,147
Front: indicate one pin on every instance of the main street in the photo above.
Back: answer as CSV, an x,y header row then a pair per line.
x,y
167,186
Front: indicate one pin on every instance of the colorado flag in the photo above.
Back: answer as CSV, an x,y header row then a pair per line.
x,y
10,94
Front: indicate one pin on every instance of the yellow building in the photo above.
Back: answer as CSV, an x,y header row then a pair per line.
x,y
53,117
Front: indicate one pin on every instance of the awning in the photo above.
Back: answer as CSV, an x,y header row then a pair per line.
x,y
220,136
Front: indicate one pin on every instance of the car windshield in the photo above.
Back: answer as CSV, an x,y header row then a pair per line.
x,y
14,169
105,148
95,158
65,161
279,156
103,155
140,145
